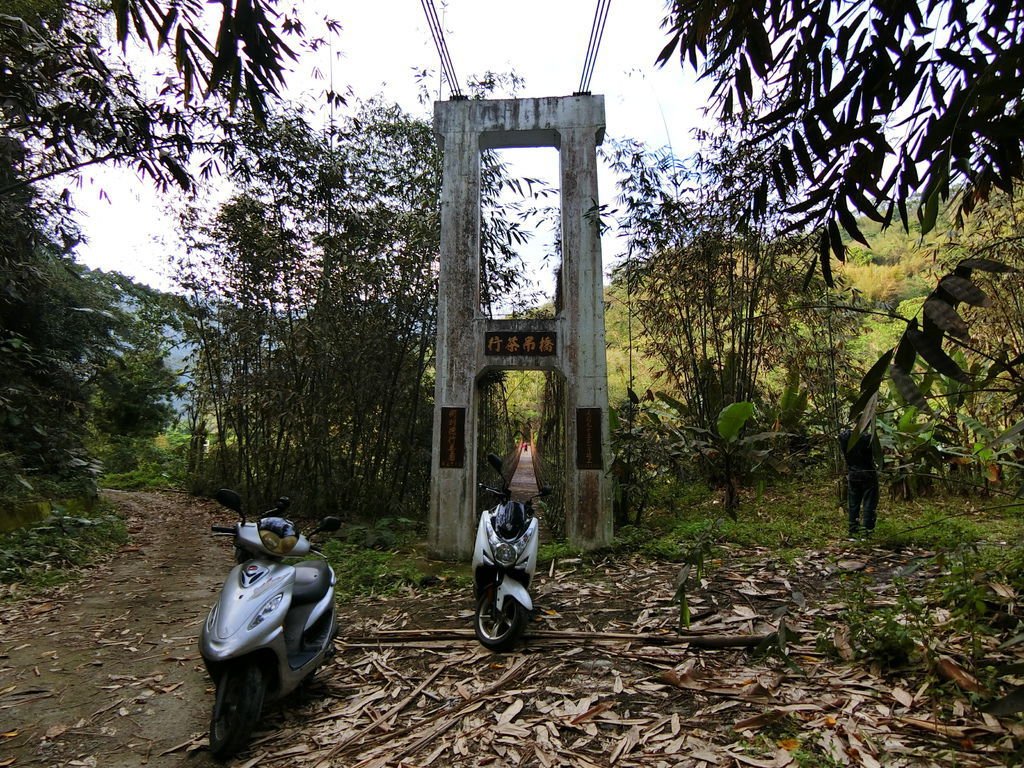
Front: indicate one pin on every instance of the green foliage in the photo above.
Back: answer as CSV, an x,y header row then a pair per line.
x,y
556,550
383,533
732,420
85,373
69,345
727,456
217,65
913,452
716,302
132,392
825,156
641,457
706,287
972,596
629,367
44,555
55,332
312,303
790,514
364,571
792,405
963,588
831,149
55,131
890,635
631,538
138,463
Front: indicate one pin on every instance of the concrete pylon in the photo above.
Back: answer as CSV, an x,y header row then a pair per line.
x,y
469,344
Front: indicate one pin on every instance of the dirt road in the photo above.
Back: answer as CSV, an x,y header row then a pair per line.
x,y
106,671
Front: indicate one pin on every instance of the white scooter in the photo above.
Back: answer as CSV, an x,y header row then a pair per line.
x,y
504,561
272,625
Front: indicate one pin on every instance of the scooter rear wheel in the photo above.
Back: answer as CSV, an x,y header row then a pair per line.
x,y
240,692
498,629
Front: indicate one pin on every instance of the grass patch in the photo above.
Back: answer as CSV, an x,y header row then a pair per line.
x,y
46,554
556,550
945,523
667,546
808,514
362,571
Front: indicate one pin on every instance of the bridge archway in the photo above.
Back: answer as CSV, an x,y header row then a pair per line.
x,y
522,419
571,343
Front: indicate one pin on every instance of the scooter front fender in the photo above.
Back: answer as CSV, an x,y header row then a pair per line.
x,y
512,588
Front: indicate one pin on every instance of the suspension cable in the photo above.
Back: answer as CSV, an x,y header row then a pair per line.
x,y
596,33
437,32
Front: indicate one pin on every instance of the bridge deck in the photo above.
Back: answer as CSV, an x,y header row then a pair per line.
x,y
524,482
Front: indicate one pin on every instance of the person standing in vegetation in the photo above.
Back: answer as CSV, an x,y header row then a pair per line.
x,y
862,480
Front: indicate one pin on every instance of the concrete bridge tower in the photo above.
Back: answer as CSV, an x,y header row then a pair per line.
x,y
469,344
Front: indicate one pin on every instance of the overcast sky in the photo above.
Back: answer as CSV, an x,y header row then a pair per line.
x,y
382,44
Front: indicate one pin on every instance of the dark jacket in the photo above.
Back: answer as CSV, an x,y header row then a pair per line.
x,y
859,457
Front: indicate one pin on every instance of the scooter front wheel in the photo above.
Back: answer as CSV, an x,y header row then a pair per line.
x,y
498,629
240,692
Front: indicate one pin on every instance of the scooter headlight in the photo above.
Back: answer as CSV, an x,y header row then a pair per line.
x,y
505,554
268,608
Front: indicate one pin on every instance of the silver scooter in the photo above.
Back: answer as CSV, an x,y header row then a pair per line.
x,y
504,562
272,625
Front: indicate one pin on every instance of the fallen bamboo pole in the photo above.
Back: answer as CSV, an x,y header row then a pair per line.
x,y
411,636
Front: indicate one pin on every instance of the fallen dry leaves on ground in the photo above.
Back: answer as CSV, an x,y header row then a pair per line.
x,y
603,679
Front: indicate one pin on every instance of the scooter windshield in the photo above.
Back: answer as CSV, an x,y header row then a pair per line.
x,y
510,520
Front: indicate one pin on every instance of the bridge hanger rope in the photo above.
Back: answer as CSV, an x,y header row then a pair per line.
x,y
448,69
437,32
596,33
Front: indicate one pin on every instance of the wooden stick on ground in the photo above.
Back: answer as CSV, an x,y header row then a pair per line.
x,y
412,636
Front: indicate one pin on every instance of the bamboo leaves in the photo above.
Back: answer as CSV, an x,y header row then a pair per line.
x,y
929,346
828,78
961,289
313,295
945,317
941,322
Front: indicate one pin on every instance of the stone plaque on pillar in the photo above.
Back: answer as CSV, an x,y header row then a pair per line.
x,y
588,438
521,343
453,438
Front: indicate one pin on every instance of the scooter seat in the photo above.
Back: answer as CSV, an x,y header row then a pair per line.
x,y
312,581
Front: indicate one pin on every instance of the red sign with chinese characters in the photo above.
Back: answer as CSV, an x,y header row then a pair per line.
x,y
453,438
588,438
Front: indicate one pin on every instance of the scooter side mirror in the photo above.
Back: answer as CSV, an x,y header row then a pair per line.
x,y
328,525
229,499
495,461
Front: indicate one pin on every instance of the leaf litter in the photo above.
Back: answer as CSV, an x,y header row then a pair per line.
x,y
605,677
